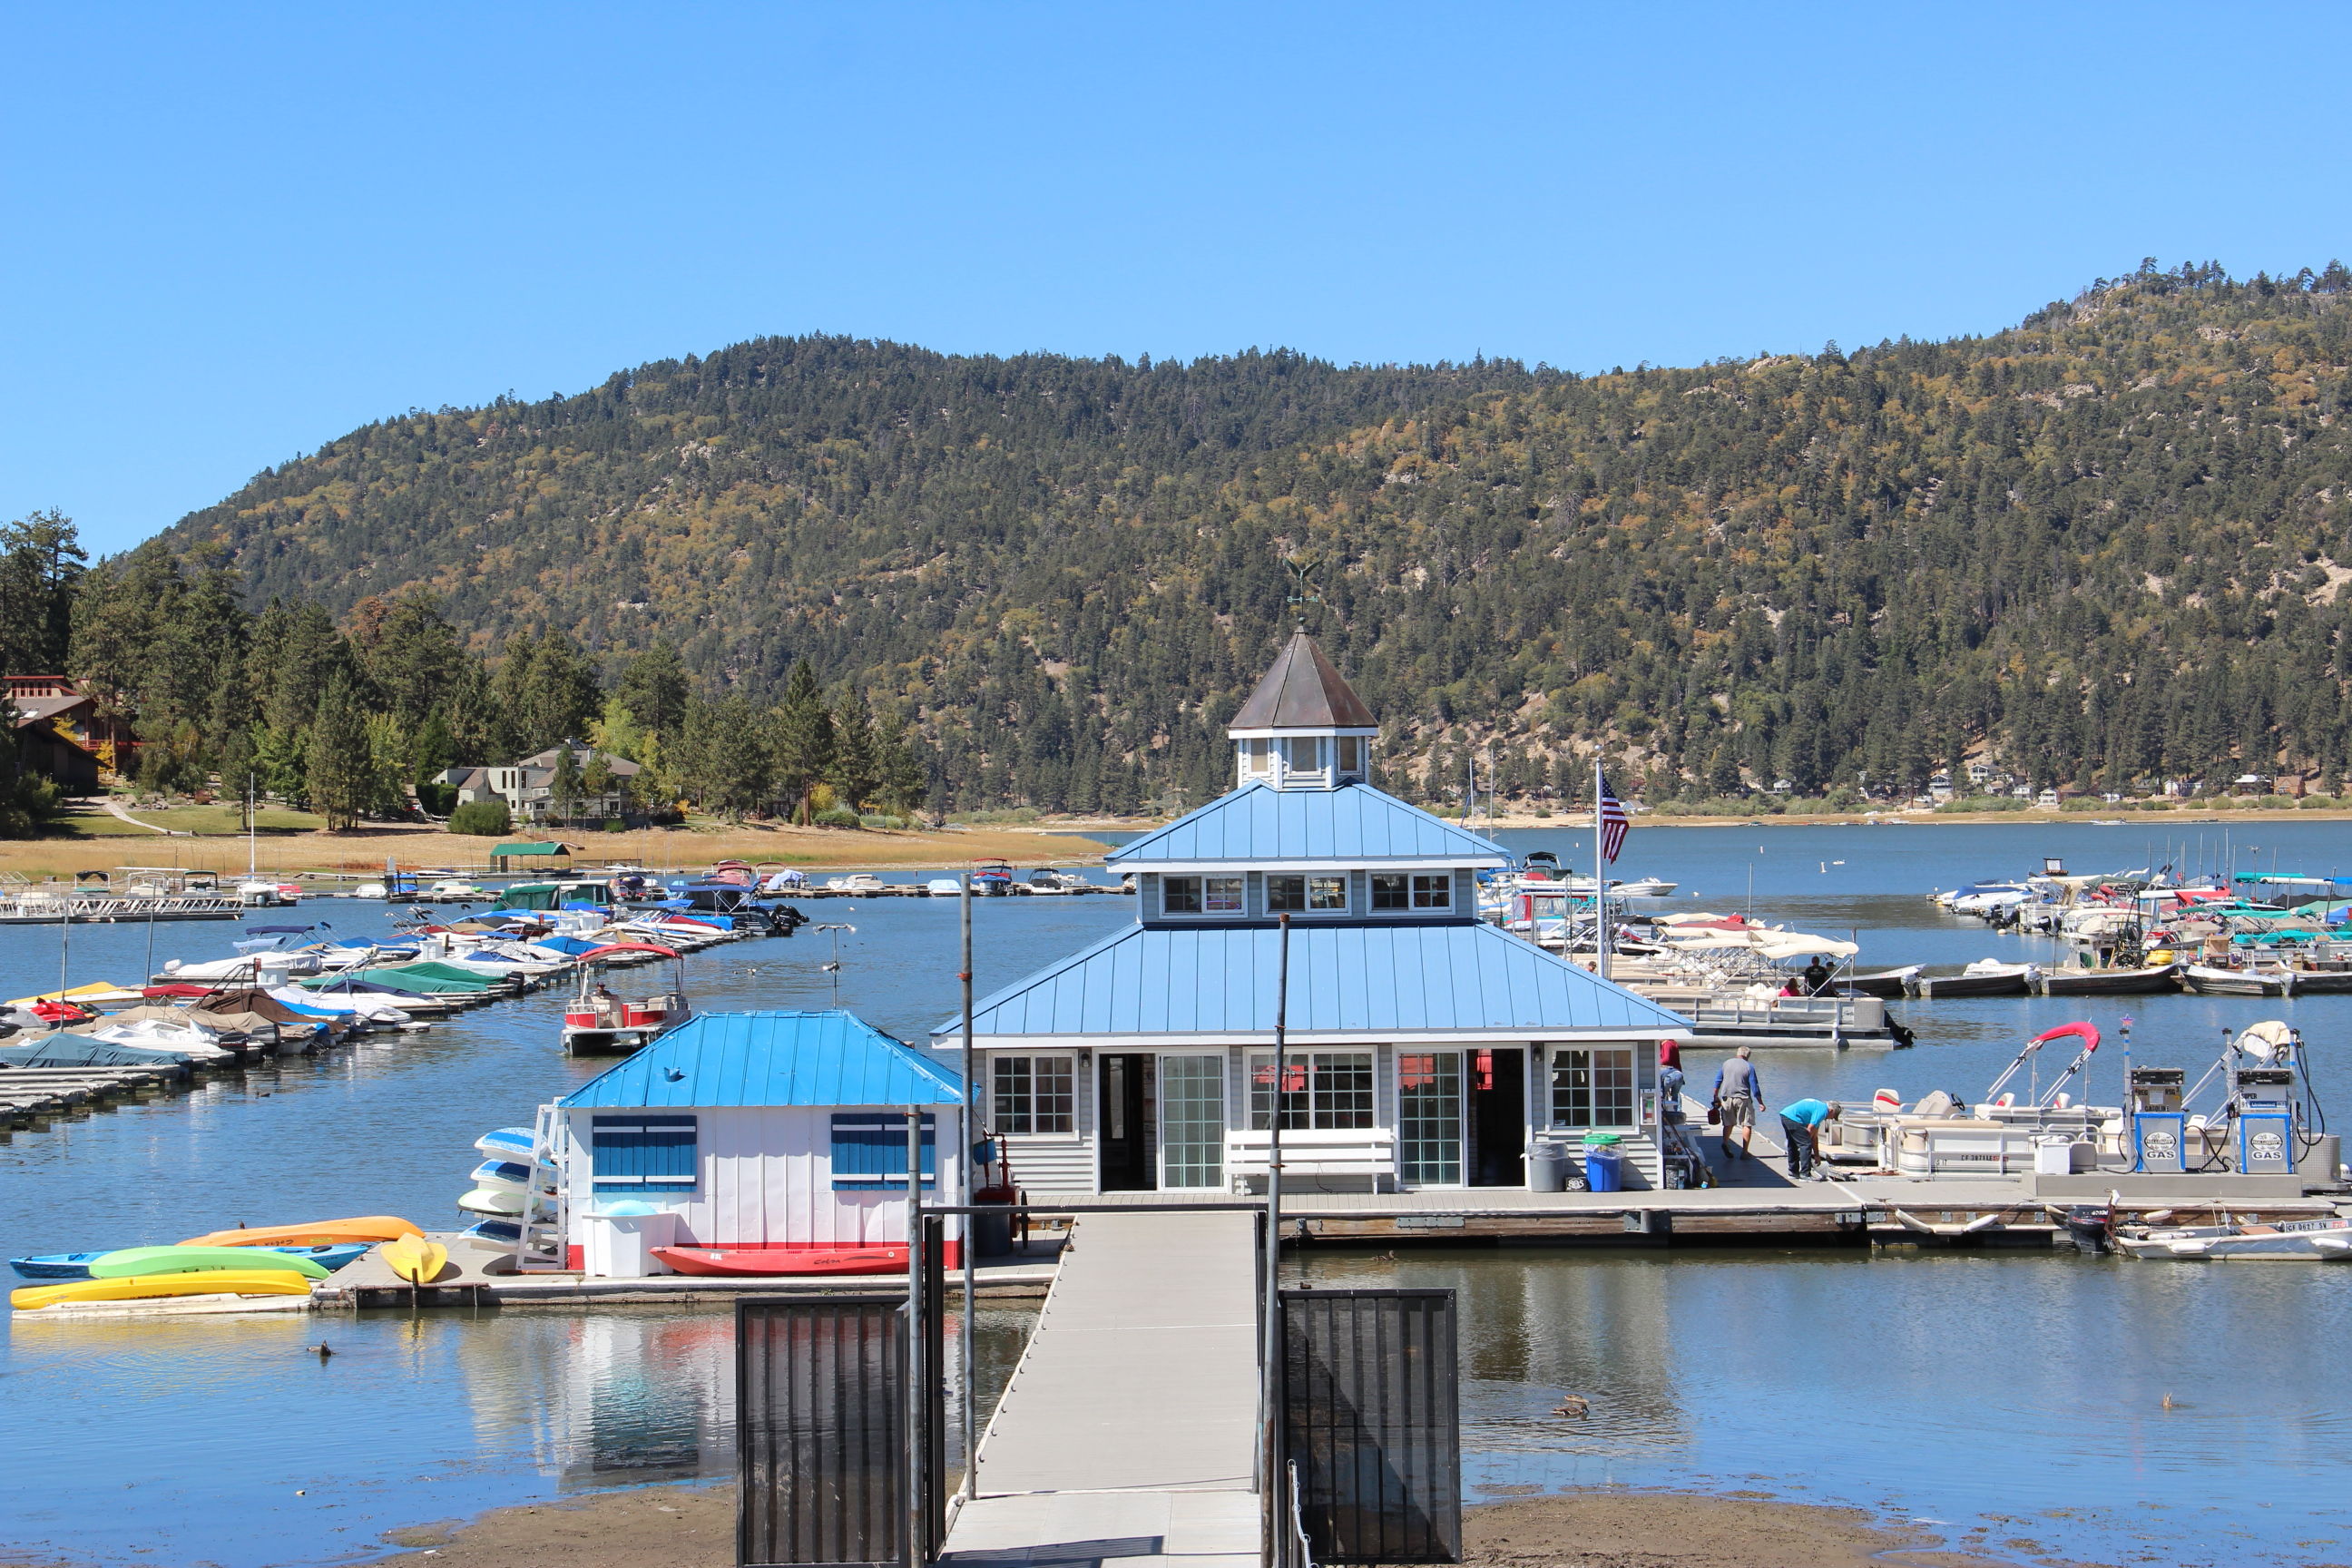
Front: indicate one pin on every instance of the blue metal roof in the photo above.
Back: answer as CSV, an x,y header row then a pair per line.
x,y
1354,823
1344,979
772,1058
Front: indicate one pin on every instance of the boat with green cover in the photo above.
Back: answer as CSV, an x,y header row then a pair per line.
x,y
145,1260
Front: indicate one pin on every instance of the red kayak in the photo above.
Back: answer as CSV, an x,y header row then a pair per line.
x,y
781,1261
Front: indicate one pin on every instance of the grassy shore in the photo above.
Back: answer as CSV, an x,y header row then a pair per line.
x,y
694,1527
289,843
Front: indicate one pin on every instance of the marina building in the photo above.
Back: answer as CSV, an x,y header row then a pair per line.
x,y
1424,1049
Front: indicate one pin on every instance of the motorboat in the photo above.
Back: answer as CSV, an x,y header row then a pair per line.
x,y
2212,980
1888,983
945,888
2145,980
2322,1240
855,882
1985,977
991,878
1645,888
1052,881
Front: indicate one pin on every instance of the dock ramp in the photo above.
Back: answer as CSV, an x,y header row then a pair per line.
x,y
1128,1431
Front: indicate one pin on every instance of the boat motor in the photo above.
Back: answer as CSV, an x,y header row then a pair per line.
x,y
2160,1127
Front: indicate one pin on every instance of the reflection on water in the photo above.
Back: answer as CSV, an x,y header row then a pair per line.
x,y
230,1440
2109,1403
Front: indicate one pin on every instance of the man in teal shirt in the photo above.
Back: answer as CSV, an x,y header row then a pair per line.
x,y
1801,1124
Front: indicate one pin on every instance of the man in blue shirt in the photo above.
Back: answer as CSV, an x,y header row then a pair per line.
x,y
1801,1124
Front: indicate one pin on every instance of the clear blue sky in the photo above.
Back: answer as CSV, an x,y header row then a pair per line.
x,y
236,231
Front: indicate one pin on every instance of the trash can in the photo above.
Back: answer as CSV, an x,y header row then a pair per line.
x,y
1547,1168
622,1237
1604,1164
2053,1156
992,1233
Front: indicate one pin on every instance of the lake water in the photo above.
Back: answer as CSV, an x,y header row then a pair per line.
x,y
1954,1388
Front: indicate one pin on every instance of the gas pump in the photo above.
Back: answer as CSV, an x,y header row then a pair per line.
x,y
2262,1067
2160,1126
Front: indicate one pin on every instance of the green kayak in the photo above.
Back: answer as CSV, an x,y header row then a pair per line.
x,y
189,1259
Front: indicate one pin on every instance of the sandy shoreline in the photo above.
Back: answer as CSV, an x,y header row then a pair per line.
x,y
694,1527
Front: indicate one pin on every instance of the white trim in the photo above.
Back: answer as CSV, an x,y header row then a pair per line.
x,y
1327,863
1306,733
1499,1034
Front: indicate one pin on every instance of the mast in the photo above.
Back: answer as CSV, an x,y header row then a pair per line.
x,y
1600,881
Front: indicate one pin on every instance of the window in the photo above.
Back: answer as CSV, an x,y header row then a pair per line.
x,y
1180,895
1396,890
1254,755
1319,1089
1351,753
1192,1121
1429,1117
1199,895
1220,895
1303,894
642,1153
1033,1094
1305,756
869,1150
1592,1088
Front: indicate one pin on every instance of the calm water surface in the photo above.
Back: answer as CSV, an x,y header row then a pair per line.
x,y
1950,1388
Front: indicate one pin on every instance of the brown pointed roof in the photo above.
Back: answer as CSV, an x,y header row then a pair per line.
x,y
1302,691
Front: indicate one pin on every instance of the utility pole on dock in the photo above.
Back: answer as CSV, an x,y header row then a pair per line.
x,y
1270,1353
969,1223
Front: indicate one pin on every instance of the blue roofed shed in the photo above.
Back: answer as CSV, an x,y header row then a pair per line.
x,y
768,1130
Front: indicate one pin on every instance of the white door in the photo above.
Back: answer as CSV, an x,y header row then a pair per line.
x,y
1192,1121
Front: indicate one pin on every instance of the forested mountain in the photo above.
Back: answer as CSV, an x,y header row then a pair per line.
x,y
2103,545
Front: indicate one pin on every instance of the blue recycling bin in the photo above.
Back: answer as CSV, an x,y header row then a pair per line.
x,y
1604,1168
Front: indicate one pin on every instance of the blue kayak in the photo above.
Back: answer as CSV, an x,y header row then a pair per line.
x,y
76,1265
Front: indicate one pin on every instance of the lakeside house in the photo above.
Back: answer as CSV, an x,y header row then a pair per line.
x,y
527,787
62,734
1425,1047
768,1130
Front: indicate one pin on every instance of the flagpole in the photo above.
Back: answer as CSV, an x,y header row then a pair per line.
x,y
1599,882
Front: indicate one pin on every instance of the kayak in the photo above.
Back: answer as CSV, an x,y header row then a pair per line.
x,y
772,1260
141,1260
367,1227
206,1282
413,1259
76,1265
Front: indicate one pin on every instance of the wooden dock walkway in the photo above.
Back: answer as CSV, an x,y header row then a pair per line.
x,y
1129,1430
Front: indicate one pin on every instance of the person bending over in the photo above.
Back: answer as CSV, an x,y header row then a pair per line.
x,y
1800,1123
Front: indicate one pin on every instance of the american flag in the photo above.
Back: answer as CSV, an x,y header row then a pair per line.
x,y
1614,820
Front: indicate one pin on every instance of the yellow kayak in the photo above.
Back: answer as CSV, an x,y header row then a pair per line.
x,y
413,1259
321,1233
139,1287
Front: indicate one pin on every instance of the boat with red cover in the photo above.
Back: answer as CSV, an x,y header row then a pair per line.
x,y
598,1023
781,1261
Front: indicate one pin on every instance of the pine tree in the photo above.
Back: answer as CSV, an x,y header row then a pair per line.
x,y
802,740
563,786
855,771
341,776
653,689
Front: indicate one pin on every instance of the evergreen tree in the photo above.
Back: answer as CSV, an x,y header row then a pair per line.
x,y
653,689
802,740
563,786
341,778
855,771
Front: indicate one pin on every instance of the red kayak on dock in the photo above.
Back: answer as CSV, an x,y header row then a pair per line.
x,y
781,1261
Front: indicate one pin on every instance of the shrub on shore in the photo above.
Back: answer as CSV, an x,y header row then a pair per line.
x,y
482,819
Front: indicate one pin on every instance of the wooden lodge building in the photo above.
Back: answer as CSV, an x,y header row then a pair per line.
x,y
1425,1047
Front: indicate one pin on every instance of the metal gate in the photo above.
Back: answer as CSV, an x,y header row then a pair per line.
x,y
1370,1421
821,1434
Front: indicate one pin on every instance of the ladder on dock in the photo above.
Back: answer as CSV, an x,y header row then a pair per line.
x,y
540,1249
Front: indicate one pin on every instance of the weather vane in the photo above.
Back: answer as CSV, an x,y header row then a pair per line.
x,y
1302,570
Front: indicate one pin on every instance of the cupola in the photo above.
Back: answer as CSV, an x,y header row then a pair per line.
x,y
1304,726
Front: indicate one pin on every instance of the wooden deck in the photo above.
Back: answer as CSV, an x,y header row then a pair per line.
x,y
1129,1430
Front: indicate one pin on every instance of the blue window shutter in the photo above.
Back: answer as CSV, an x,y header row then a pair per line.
x,y
644,1153
869,1150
